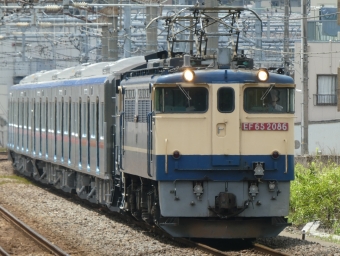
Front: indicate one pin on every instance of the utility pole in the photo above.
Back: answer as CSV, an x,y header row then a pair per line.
x,y
304,56
151,32
127,24
286,39
113,36
213,28
258,33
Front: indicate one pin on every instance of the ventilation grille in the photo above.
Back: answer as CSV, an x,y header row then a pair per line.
x,y
144,107
129,110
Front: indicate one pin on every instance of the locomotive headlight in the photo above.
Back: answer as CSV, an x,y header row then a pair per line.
x,y
263,75
188,75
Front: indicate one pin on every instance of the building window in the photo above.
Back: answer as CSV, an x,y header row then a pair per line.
x,y
326,90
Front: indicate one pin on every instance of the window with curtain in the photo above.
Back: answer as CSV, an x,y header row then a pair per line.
x,y
326,90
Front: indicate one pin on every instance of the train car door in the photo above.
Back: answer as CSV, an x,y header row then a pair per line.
x,y
85,158
37,118
66,130
27,111
20,125
59,126
43,128
93,136
51,119
225,126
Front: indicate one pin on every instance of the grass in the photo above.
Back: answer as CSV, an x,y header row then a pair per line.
x,y
13,179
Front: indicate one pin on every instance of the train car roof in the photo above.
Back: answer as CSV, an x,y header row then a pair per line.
x,y
126,63
39,76
61,83
87,74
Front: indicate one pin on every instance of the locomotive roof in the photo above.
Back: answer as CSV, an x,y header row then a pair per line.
x,y
225,76
208,75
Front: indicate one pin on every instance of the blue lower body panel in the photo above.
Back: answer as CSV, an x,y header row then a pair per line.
x,y
224,168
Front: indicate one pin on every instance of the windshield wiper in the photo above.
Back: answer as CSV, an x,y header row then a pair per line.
x,y
184,92
266,92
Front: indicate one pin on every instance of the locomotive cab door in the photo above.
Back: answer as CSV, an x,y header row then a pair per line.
x,y
225,126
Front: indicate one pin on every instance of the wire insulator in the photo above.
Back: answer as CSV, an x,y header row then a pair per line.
x,y
53,8
79,4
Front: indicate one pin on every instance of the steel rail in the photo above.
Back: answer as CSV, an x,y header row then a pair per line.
x,y
268,250
202,247
3,252
33,234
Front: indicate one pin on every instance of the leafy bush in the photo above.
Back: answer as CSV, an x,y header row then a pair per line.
x,y
315,195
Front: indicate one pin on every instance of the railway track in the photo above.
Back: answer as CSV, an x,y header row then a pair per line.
x,y
206,248
3,156
42,241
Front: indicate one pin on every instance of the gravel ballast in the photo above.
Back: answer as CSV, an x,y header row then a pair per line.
x,y
79,230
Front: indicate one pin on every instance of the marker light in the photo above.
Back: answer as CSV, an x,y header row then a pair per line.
x,y
176,154
263,75
275,154
188,75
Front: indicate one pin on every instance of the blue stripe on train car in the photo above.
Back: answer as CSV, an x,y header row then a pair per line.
x,y
198,167
66,83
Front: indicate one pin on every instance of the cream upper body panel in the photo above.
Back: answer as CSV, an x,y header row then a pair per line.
x,y
223,133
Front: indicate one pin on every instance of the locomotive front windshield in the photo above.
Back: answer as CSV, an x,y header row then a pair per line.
x,y
269,100
179,99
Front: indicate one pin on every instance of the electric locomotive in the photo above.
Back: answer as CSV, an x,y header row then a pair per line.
x,y
199,144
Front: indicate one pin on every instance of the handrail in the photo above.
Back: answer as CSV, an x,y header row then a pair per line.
x,y
121,140
149,142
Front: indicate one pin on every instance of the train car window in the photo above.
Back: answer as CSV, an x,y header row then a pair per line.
x,y
266,100
174,100
77,111
66,118
73,119
93,120
83,119
88,133
17,123
101,121
51,115
27,122
225,100
43,116
37,116
59,117
46,127
62,121
55,126
40,125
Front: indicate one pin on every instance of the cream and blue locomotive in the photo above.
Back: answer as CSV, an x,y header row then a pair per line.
x,y
201,146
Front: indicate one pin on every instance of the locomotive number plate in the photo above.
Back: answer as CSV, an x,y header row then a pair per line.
x,y
264,126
